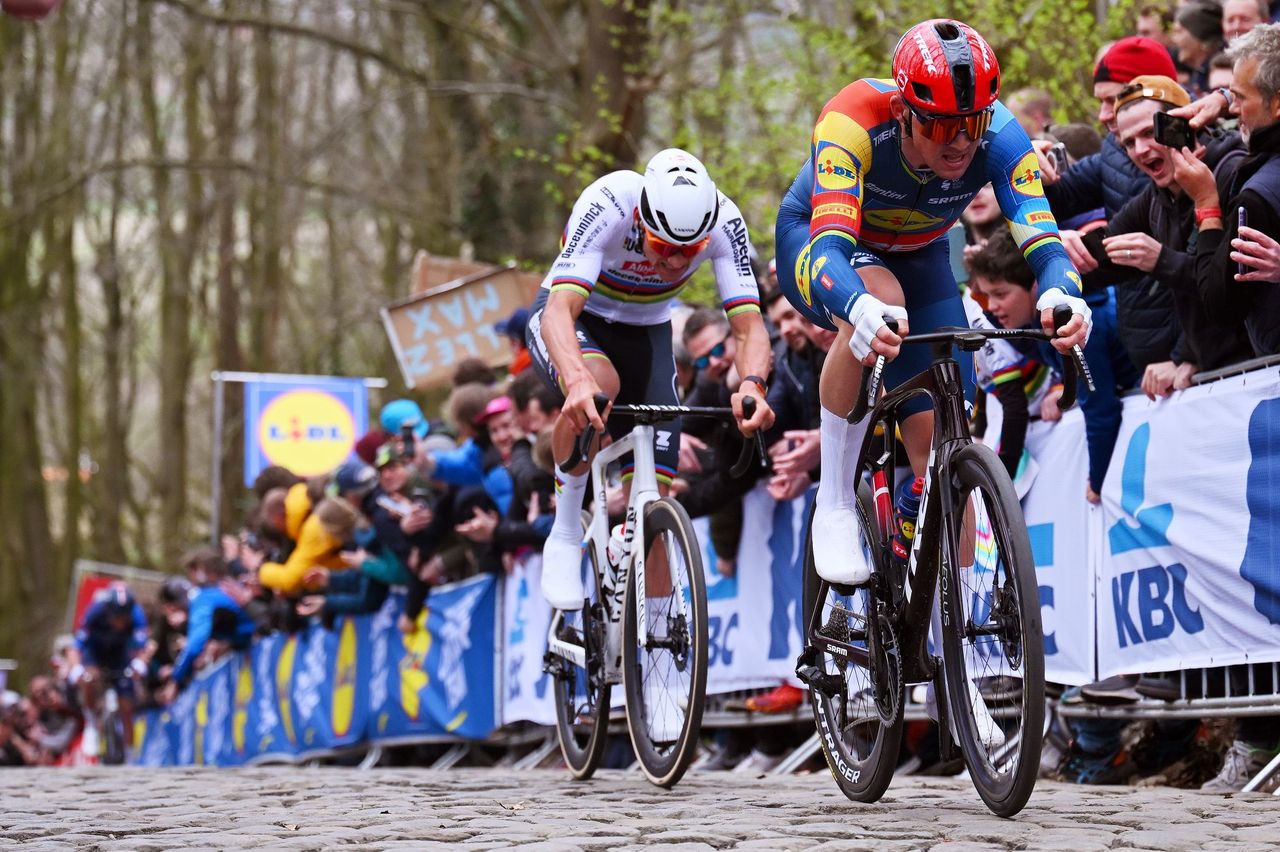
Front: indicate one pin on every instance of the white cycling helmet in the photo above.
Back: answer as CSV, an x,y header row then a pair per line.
x,y
679,202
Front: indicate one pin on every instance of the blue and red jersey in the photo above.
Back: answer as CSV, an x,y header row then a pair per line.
x,y
859,191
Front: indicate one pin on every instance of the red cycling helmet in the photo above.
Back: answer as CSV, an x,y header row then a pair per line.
x,y
945,68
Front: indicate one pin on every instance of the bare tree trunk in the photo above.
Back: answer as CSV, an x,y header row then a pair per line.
x,y
611,91
27,553
267,283
176,250
227,352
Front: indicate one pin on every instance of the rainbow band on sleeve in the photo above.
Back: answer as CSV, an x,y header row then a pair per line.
x,y
581,286
1035,242
741,305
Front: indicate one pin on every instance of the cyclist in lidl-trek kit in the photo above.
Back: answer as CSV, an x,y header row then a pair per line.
x,y
602,322
862,236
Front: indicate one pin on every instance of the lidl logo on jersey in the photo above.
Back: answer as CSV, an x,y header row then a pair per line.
x,y
901,219
309,427
1025,178
836,170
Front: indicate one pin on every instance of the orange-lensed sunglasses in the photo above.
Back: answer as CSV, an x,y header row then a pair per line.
x,y
664,249
944,128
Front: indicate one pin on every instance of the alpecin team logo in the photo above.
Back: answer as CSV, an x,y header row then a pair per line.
x,y
308,431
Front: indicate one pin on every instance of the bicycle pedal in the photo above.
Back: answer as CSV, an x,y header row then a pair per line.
x,y
819,681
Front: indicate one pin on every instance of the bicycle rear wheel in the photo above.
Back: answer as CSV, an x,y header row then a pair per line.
x,y
665,661
581,691
113,748
857,703
992,648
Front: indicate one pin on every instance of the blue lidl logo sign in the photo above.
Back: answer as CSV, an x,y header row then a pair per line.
x,y
308,428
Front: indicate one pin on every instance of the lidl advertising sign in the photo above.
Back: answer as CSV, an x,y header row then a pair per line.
x,y
308,426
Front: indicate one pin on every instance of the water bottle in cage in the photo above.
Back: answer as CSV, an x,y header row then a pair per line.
x,y
617,547
908,508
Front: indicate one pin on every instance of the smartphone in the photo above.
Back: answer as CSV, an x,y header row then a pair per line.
x,y
1058,156
1173,132
1242,219
396,507
408,439
1108,272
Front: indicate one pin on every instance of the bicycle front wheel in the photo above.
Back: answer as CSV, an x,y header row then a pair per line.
x,y
856,697
581,688
992,648
664,659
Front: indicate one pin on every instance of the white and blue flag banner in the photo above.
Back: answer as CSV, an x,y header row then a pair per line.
x,y
527,693
1189,573
754,617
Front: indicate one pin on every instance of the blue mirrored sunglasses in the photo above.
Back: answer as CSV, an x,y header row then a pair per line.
x,y
716,351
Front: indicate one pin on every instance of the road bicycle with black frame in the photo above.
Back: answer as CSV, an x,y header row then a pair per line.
x,y
645,630
865,644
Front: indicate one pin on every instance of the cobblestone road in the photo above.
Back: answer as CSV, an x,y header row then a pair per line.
x,y
316,808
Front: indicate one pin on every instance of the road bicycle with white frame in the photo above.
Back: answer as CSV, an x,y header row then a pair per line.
x,y
640,626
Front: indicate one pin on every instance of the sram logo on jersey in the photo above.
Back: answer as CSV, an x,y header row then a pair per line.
x,y
736,231
836,169
1025,178
593,212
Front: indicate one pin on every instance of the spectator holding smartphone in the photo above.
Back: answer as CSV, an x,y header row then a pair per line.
x,y
1228,294
1151,236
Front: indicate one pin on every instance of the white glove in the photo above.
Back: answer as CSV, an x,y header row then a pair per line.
x,y
867,316
1053,298
76,673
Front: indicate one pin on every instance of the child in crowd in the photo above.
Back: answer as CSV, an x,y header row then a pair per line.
x,y
1011,371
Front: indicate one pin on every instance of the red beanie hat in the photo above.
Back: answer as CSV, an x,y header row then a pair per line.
x,y
1133,57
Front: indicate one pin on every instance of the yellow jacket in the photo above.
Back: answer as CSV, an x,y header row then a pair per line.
x,y
318,545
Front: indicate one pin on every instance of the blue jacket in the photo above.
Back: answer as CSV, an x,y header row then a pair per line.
x,y
465,466
212,614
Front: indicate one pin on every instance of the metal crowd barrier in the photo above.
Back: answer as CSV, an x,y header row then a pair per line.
x,y
1224,691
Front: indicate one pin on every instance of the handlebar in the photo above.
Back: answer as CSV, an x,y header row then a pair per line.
x,y
971,340
654,413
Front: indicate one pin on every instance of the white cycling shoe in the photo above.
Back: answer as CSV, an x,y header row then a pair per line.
x,y
562,573
838,551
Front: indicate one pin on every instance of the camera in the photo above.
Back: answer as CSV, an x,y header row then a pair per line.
x,y
1058,156
408,440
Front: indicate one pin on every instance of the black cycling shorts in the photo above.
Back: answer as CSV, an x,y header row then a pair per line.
x,y
642,357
